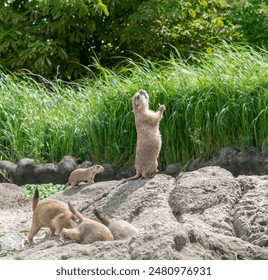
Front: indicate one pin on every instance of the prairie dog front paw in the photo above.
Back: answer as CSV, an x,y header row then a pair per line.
x,y
162,108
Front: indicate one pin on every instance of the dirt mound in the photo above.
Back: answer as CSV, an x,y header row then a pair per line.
x,y
204,214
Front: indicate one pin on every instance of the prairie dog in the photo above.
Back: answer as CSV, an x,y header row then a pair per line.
x,y
50,213
148,136
88,231
120,229
83,175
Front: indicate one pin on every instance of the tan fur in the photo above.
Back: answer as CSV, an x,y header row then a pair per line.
x,y
148,136
120,229
50,213
83,175
88,231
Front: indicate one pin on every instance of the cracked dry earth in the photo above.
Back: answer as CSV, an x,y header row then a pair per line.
x,y
204,214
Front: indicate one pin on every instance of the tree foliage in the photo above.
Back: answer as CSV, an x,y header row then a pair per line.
x,y
42,35
251,19
60,37
156,26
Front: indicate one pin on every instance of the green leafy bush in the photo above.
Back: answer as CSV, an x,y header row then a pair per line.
x,y
45,190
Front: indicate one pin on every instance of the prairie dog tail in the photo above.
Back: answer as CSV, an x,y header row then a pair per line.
x,y
102,217
76,213
35,199
66,186
137,176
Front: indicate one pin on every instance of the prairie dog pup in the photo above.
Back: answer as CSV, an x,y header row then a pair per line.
x,y
50,213
88,231
120,229
148,136
83,175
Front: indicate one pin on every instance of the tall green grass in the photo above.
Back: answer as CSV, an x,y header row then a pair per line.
x,y
220,101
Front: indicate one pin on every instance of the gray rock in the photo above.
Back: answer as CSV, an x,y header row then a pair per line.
x,y
197,164
47,173
85,164
250,161
10,242
67,164
246,162
25,172
7,171
173,169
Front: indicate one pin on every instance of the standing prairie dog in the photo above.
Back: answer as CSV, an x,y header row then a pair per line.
x,y
148,136
50,213
83,175
120,229
88,231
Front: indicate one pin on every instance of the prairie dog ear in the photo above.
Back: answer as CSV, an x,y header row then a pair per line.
x,y
144,93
